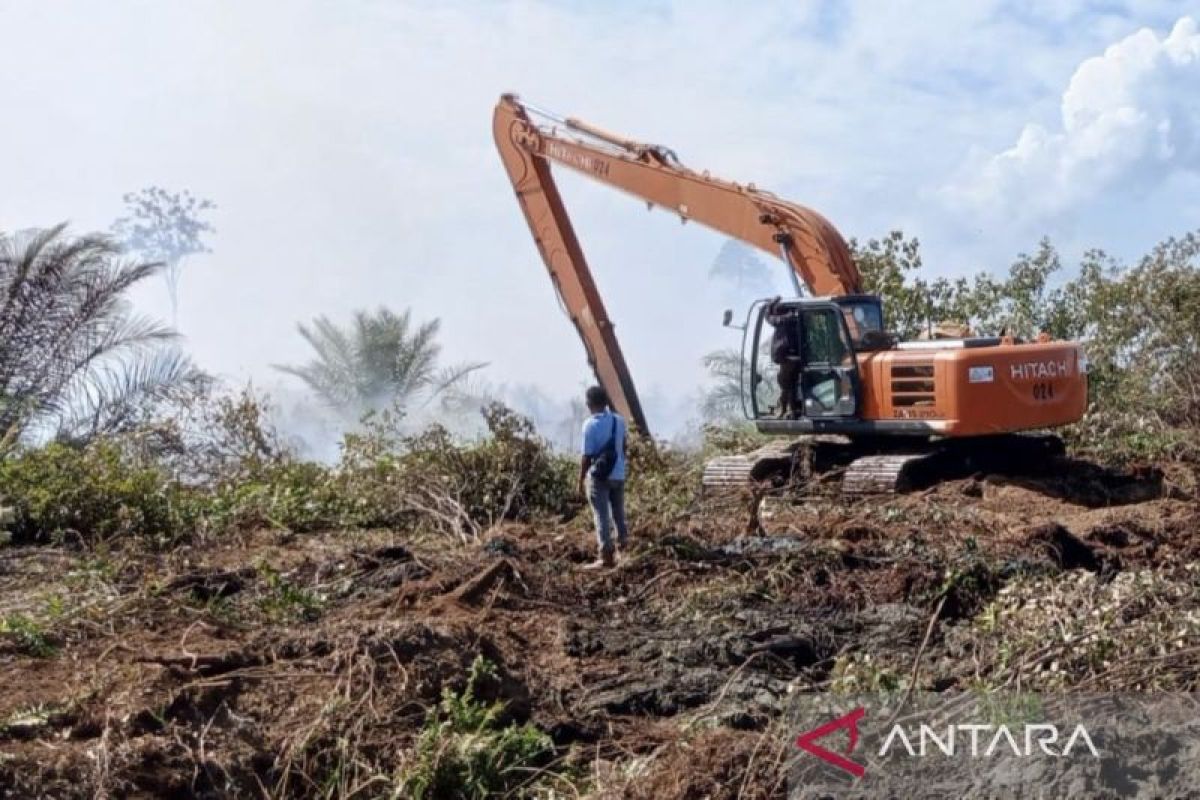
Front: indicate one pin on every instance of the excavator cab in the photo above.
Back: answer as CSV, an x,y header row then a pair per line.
x,y
816,357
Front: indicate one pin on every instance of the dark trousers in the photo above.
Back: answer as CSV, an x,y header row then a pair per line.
x,y
789,377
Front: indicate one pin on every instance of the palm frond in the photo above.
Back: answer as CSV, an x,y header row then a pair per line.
x,y
119,396
63,317
379,359
447,377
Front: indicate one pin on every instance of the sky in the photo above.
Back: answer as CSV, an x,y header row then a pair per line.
x,y
348,147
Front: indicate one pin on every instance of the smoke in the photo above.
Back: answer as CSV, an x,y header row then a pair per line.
x,y
339,190
316,431
1129,117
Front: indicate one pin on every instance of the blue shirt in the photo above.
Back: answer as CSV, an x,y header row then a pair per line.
x,y
596,431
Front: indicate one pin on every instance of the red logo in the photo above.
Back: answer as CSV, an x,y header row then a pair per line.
x,y
807,741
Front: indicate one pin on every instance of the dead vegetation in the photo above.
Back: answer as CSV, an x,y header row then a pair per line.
x,y
412,663
189,610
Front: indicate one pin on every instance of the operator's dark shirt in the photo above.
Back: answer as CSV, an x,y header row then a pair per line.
x,y
785,341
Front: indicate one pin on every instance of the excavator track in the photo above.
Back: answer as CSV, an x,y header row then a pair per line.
x,y
867,471
772,464
881,474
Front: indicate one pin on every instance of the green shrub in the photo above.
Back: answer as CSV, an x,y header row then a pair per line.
x,y
464,750
207,437
28,636
389,479
299,496
137,485
663,481
432,479
285,600
733,439
511,474
91,493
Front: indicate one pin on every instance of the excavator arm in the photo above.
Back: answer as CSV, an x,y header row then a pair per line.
x,y
811,247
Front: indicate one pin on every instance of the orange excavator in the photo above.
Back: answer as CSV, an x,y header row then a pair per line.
x,y
883,415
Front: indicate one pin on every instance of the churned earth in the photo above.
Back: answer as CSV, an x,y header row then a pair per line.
x,y
280,665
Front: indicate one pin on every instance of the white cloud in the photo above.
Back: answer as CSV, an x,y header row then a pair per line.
x,y
1130,119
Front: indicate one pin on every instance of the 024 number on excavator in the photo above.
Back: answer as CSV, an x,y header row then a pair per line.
x,y
904,413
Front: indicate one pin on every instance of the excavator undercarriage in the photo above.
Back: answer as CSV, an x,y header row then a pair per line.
x,y
864,466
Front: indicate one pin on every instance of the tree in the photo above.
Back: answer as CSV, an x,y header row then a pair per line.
x,y
722,401
165,227
380,360
1141,330
1019,303
74,359
741,267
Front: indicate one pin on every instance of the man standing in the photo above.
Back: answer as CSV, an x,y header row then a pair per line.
x,y
603,468
785,352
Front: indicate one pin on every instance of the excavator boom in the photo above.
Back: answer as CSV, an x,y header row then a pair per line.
x,y
812,248
550,223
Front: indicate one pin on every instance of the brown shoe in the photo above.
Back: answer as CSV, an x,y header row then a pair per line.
x,y
605,561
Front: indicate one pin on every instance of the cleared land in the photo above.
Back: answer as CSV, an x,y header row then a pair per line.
x,y
308,665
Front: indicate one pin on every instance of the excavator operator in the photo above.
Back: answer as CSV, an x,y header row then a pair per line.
x,y
785,352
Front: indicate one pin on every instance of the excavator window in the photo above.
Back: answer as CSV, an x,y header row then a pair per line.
x,y
823,339
827,383
864,320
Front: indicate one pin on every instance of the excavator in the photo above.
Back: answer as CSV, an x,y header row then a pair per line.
x,y
877,414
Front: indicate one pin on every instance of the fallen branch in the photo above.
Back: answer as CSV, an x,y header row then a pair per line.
x,y
208,665
916,667
473,589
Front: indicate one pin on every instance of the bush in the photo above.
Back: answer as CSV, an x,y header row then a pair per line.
x,y
664,481
460,488
299,496
512,474
167,482
27,636
91,494
204,438
464,751
386,478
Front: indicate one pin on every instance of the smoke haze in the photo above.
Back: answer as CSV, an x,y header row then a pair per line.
x,y
348,146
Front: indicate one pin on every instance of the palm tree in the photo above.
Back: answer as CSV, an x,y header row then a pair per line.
x,y
379,360
722,401
74,359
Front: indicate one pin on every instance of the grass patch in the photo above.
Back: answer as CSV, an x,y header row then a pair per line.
x,y
466,751
27,636
285,600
